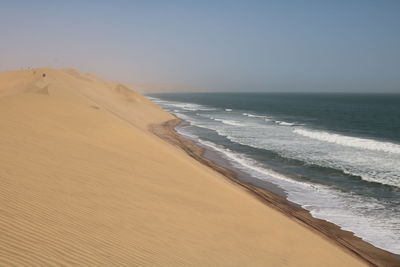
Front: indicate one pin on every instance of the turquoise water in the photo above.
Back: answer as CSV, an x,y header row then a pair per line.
x,y
337,155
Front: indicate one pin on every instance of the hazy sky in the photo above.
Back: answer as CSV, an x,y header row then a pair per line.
x,y
282,45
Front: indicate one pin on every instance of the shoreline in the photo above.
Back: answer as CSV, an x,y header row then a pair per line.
x,y
347,240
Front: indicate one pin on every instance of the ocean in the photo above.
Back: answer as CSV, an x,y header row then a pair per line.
x,y
336,155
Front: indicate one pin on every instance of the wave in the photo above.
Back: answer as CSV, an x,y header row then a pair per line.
x,y
246,163
228,109
224,121
184,117
361,143
191,107
284,123
229,122
253,116
184,106
350,159
384,171
266,118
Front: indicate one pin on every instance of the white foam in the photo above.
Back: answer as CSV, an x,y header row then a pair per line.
x,y
229,122
284,123
350,141
246,162
372,166
228,109
184,106
192,107
183,117
222,119
266,118
253,116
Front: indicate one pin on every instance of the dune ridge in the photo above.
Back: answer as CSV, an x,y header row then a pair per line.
x,y
84,182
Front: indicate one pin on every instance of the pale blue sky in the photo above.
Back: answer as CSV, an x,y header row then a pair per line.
x,y
336,45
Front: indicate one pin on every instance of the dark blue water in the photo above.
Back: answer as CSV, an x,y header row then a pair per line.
x,y
337,155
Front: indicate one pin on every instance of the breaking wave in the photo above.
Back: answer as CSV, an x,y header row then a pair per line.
x,y
350,141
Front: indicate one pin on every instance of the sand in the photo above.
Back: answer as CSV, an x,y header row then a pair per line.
x,y
85,182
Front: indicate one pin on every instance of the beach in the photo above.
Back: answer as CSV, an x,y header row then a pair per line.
x,y
335,155
87,180
276,199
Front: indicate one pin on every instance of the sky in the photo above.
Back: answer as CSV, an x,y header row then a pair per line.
x,y
271,46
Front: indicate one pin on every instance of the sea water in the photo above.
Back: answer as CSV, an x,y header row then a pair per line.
x,y
336,155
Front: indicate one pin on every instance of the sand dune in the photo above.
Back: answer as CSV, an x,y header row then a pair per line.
x,y
83,182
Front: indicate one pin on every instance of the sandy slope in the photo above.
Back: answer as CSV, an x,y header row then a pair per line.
x,y
84,183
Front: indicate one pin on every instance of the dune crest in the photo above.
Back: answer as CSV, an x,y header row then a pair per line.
x,y
84,182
